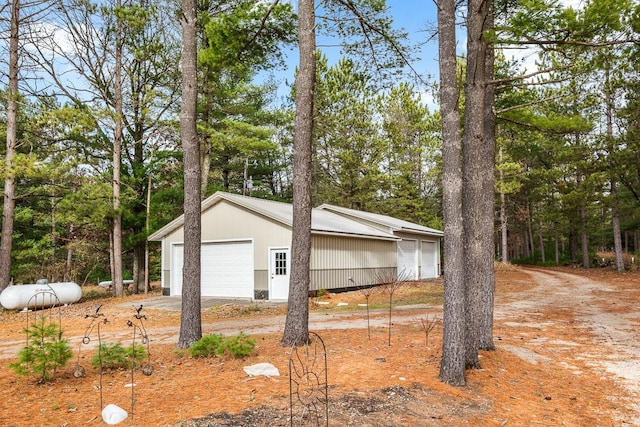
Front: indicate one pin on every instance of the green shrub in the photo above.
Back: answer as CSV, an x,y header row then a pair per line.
x,y
218,345
239,346
114,356
206,346
46,351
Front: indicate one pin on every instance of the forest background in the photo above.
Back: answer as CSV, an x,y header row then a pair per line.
x,y
568,154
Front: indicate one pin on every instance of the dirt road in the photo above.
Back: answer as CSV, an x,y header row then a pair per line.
x,y
599,327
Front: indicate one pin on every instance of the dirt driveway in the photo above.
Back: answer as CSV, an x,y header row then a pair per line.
x,y
599,324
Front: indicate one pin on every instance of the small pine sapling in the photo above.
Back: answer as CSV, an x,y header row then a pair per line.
x,y
46,351
218,345
115,356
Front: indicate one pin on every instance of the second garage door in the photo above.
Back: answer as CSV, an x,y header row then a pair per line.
x,y
227,269
407,260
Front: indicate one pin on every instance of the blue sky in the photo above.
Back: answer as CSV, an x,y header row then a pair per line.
x,y
419,18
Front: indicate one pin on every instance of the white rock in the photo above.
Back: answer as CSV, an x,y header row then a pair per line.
x,y
113,414
266,369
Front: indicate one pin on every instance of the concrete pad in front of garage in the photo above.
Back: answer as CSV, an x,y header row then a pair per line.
x,y
174,303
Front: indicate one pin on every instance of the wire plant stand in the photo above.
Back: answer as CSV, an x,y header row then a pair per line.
x,y
137,323
97,320
308,385
49,304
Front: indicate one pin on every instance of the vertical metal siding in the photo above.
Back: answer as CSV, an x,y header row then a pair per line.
x,y
335,259
337,252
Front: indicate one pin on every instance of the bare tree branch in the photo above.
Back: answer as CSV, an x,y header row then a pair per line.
x,y
367,27
503,82
529,104
562,42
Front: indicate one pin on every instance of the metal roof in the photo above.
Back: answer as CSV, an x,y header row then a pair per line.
x,y
323,221
394,224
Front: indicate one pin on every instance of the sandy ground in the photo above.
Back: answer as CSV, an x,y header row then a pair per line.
x,y
605,319
568,354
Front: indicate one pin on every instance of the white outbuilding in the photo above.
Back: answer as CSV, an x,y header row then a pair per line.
x,y
246,248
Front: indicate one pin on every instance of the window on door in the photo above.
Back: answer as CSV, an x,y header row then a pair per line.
x,y
281,264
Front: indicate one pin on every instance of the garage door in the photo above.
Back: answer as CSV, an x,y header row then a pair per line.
x,y
407,259
429,260
227,269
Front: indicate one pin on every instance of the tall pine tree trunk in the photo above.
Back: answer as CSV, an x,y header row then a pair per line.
x,y
584,238
615,216
503,220
556,248
543,256
488,159
296,330
190,319
452,366
9,202
615,220
117,155
474,206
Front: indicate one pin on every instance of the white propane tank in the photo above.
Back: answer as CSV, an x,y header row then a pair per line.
x,y
21,296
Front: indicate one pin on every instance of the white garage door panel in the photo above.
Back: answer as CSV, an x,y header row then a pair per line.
x,y
429,260
226,269
177,261
407,259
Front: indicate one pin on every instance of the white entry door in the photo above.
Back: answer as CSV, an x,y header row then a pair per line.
x,y
279,268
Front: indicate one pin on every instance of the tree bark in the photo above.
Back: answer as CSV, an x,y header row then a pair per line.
x,y
615,216
452,366
296,331
9,202
487,213
584,238
615,219
138,268
503,220
543,255
190,320
117,282
474,207
556,248
147,280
